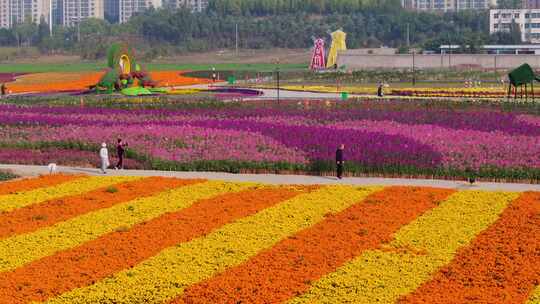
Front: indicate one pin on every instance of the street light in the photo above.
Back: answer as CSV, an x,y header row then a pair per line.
x,y
413,68
277,76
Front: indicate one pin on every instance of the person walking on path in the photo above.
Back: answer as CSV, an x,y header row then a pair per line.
x,y
120,150
340,161
380,90
104,156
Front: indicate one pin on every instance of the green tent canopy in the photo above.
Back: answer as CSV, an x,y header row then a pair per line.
x,y
523,76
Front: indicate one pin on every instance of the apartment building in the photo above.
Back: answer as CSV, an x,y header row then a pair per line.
x,y
112,11
528,20
17,11
74,11
447,5
195,5
57,11
531,4
129,7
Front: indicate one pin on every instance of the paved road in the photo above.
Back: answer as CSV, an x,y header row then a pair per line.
x,y
287,94
280,179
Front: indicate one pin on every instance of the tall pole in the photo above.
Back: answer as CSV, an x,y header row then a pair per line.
x,y
50,17
413,69
408,35
79,22
236,37
277,72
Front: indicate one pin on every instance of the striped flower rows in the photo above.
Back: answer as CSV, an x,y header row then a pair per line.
x,y
77,239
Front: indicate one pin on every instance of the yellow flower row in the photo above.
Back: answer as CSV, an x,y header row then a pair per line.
x,y
418,250
22,249
332,89
535,297
166,275
372,90
17,200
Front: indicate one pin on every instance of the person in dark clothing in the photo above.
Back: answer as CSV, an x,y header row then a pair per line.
x,y
120,150
380,90
340,161
471,178
3,89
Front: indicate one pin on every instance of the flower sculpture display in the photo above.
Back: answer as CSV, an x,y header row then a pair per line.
x,y
124,73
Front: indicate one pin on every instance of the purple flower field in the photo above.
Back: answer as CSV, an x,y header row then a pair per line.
x,y
421,140
54,155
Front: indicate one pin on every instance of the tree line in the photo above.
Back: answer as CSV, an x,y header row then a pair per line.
x,y
264,24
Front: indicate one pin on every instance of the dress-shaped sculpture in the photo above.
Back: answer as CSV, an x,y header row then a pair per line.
x,y
318,61
338,44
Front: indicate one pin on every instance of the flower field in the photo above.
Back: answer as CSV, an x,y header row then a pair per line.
x,y
79,81
451,92
80,239
394,139
63,157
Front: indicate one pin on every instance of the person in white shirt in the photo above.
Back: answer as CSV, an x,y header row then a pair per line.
x,y
104,155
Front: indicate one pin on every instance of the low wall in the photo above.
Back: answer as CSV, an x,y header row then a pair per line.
x,y
435,61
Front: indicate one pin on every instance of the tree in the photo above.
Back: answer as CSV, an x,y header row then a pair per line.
x,y
94,38
509,4
25,32
43,30
515,33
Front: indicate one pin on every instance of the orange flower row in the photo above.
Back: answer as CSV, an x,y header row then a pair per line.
x,y
35,183
176,78
275,275
54,82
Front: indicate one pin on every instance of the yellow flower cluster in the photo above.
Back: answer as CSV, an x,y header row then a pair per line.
x,y
418,250
410,92
17,200
535,297
22,249
184,91
166,275
332,89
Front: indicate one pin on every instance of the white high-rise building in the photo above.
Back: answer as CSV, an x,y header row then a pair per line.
x,y
447,5
17,11
195,5
528,21
129,7
74,11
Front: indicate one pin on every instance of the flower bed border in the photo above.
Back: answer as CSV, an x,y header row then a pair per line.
x,y
315,168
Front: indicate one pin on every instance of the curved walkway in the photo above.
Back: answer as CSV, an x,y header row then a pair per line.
x,y
24,170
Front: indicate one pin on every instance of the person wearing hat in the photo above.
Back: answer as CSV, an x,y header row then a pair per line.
x,y
104,155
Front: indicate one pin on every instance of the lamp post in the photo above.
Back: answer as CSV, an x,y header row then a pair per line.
x,y
236,38
277,77
413,68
